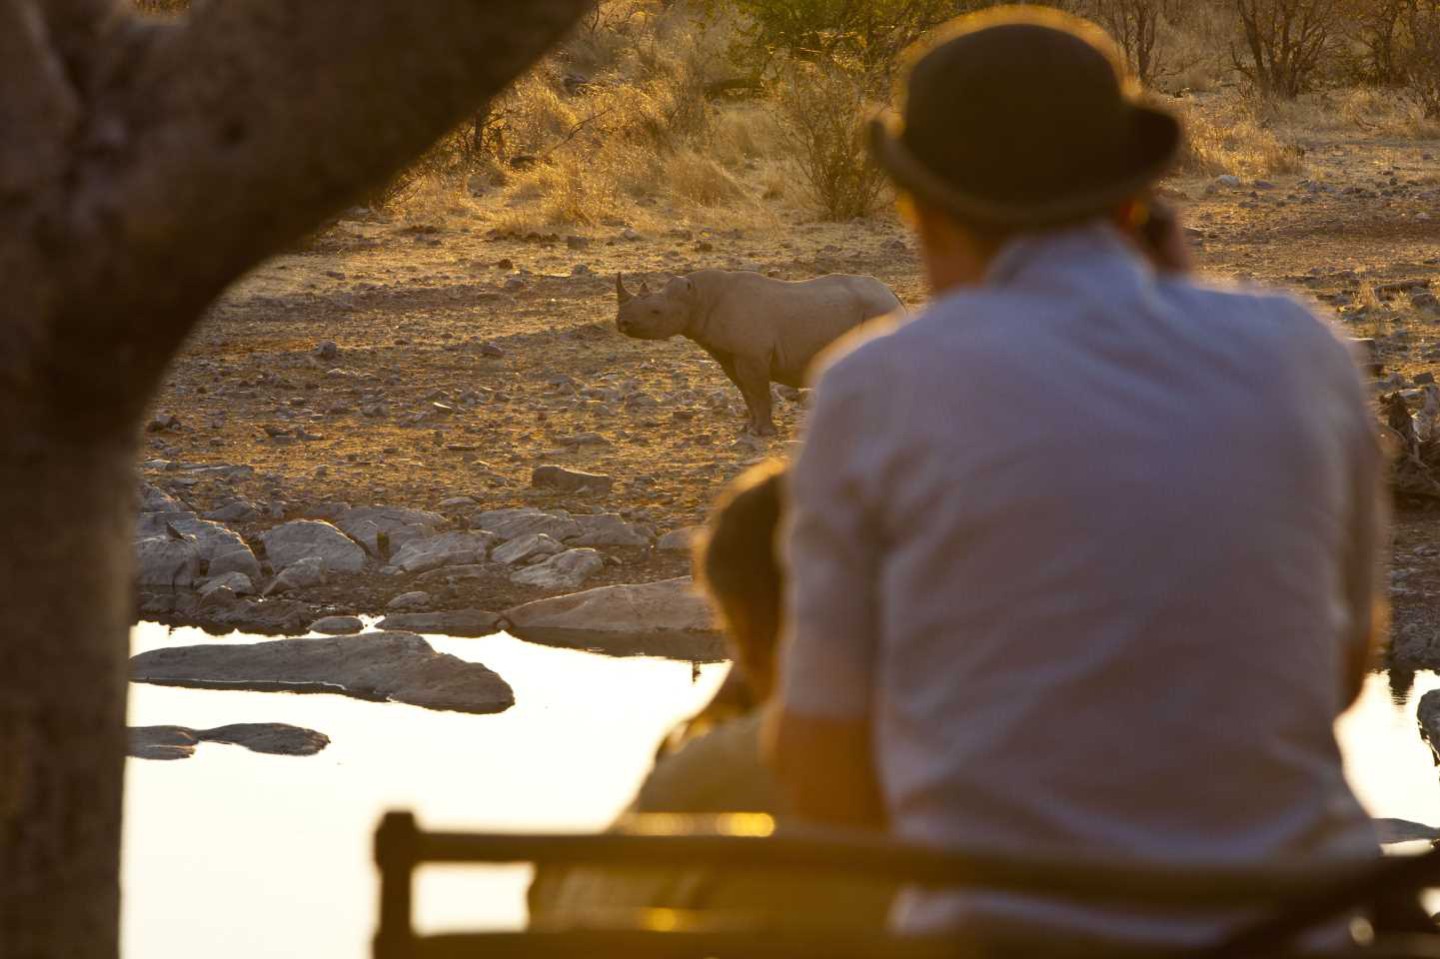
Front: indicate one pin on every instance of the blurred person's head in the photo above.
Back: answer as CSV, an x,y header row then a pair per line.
x,y
1016,120
737,562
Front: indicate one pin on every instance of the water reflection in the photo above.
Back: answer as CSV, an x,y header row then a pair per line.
x,y
236,854
244,855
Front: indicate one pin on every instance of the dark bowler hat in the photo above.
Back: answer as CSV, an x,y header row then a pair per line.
x,y
1022,117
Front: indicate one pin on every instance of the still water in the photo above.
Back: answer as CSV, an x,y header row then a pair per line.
x,y
234,855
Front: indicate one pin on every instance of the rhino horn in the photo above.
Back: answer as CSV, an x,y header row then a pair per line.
x,y
620,290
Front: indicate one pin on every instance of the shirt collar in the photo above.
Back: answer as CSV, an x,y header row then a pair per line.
x,y
1052,250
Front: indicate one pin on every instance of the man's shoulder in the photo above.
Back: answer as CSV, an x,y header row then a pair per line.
x,y
1260,317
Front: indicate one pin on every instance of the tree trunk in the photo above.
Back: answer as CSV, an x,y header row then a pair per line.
x,y
143,167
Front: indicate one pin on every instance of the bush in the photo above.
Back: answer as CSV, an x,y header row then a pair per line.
x,y
1284,43
1136,26
824,111
1422,57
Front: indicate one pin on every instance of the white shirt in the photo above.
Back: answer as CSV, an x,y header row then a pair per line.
x,y
1089,547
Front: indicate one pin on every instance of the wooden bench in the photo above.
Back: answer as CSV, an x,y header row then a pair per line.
x,y
1294,899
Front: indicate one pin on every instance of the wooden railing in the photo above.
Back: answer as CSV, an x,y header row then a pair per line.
x,y
1291,899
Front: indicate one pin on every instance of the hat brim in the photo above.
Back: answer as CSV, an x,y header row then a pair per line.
x,y
1155,142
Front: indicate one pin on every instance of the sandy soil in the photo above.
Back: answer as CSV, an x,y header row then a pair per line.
x,y
465,359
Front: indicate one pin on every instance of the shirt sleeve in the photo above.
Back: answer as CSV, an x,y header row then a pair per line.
x,y
829,650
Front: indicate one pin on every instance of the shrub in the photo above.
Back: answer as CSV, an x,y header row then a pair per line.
x,y
1421,68
1136,26
1284,43
824,110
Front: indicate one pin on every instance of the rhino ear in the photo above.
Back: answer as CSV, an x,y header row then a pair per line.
x,y
644,288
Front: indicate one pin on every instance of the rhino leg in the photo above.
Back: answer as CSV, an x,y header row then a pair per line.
x,y
753,378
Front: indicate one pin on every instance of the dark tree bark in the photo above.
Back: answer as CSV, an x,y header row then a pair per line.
x,y
143,167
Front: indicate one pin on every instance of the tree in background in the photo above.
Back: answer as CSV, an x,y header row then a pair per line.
x,y
1136,26
1284,43
144,166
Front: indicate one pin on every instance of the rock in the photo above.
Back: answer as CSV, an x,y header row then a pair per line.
x,y
300,539
397,526
680,540
338,625
166,561
566,570
179,742
446,549
608,529
1367,352
417,599
300,574
235,511
456,502
221,548
665,606
1424,379
163,423
454,622
491,350
454,574
1428,716
577,242
1227,180
522,548
569,481
393,667
238,583
1402,830
668,618
220,595
263,617
327,350
508,524
1424,300
155,500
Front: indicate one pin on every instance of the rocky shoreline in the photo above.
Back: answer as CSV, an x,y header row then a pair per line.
x,y
236,567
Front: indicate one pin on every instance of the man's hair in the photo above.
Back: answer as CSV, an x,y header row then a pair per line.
x,y
736,562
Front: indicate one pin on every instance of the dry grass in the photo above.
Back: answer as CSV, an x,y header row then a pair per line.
x,y
1228,137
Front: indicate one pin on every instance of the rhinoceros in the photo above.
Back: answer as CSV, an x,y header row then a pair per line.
x,y
760,330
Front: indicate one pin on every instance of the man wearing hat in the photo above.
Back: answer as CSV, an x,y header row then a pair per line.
x,y
1082,557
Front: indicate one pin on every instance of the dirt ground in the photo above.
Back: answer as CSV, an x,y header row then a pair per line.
x,y
464,359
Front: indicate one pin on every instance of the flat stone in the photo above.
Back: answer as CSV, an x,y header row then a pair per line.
x,y
179,742
1392,831
301,574
398,526
416,599
446,549
221,548
338,625
608,529
382,667
455,574
155,500
569,481
235,511
238,583
468,623
166,561
307,538
567,570
523,548
508,524
680,540
666,606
